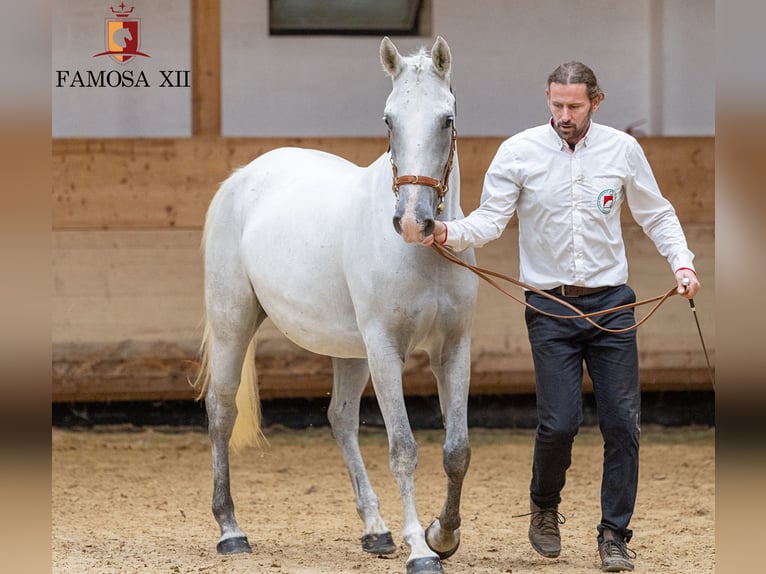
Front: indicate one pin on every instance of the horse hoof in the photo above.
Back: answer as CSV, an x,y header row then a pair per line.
x,y
444,542
236,545
425,565
378,543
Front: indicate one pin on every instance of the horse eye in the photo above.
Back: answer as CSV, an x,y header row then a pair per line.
x,y
448,121
388,122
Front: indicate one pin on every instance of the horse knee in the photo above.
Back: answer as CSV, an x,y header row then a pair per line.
x,y
403,456
332,417
221,409
457,457
342,415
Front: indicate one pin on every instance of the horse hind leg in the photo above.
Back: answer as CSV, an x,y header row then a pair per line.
x,y
350,376
231,331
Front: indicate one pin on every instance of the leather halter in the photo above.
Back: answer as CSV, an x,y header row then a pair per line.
x,y
441,187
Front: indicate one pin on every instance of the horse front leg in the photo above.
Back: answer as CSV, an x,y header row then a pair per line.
x,y
453,376
349,379
403,459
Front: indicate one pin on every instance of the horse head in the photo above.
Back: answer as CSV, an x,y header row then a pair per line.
x,y
420,115
121,37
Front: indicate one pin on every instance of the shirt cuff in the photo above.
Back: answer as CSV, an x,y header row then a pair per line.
x,y
446,234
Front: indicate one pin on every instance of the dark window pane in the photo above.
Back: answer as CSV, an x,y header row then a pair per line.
x,y
393,17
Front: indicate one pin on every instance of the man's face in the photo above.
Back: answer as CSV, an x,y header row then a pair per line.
x,y
571,110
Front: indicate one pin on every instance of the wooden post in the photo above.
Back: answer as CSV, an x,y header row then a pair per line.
x,y
206,67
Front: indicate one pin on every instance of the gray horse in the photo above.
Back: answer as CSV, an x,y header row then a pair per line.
x,y
306,239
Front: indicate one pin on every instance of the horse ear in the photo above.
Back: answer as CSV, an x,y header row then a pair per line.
x,y
441,56
389,57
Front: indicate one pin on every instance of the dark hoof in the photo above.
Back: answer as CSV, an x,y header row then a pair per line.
x,y
378,543
236,545
425,566
430,532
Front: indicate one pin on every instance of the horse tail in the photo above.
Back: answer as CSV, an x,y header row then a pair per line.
x,y
247,426
202,380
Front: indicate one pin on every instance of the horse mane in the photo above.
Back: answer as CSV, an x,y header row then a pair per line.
x,y
419,59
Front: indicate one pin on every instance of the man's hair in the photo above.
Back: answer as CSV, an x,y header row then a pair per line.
x,y
577,73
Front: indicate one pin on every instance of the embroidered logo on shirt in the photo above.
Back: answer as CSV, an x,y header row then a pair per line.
x,y
605,200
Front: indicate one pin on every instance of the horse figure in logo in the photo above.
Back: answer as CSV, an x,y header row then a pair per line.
x,y
306,238
122,36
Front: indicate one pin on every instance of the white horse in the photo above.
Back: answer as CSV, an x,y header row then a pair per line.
x,y
306,238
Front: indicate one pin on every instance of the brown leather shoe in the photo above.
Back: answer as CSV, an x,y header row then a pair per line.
x,y
544,533
615,555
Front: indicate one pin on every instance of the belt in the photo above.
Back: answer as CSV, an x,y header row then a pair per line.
x,y
575,290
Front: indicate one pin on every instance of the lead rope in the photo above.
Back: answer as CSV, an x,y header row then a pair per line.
x,y
486,275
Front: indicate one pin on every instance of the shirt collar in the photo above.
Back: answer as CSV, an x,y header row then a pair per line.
x,y
585,141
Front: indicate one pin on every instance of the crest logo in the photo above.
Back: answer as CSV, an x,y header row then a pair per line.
x,y
605,200
122,36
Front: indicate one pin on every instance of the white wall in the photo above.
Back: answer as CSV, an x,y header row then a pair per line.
x,y
653,59
505,50
647,55
686,69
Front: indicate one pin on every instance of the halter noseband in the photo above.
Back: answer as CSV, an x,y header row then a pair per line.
x,y
441,187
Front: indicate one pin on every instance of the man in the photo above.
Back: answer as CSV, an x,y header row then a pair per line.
x,y
568,180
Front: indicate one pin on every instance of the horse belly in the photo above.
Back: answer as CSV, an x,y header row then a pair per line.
x,y
312,311
293,250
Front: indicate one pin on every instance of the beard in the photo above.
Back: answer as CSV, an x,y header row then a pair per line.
x,y
570,132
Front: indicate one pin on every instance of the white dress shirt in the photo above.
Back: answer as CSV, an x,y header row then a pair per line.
x,y
568,205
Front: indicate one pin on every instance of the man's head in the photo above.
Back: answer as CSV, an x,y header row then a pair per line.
x,y
573,95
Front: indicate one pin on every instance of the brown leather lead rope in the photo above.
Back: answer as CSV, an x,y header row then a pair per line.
x,y
487,275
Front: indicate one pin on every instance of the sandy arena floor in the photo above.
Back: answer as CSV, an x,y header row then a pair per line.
x,y
127,500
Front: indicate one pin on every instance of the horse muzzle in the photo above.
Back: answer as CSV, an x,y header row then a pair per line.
x,y
413,230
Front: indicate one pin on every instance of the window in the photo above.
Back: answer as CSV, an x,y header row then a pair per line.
x,y
350,17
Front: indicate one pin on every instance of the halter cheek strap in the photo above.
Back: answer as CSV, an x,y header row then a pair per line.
x,y
441,187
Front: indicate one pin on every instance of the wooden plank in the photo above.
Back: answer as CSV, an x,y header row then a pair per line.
x,y
685,171
166,183
126,311
116,286
159,183
128,371
206,67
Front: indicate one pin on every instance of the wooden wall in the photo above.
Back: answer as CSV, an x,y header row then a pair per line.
x,y
127,272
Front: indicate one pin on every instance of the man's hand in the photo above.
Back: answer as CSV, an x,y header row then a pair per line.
x,y
688,286
439,235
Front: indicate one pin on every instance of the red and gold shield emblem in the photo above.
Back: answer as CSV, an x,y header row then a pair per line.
x,y
122,37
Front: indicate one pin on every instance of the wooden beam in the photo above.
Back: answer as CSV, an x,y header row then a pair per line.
x,y
165,183
206,67
135,371
160,183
